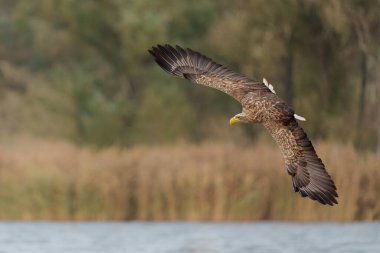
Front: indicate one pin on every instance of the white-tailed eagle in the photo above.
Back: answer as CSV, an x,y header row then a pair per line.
x,y
260,105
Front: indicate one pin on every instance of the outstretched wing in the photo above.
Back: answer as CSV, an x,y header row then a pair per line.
x,y
308,172
200,69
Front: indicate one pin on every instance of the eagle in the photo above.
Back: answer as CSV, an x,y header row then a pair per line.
x,y
260,104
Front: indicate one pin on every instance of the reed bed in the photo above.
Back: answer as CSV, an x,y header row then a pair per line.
x,y
57,180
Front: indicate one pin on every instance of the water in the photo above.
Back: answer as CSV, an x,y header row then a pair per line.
x,y
136,237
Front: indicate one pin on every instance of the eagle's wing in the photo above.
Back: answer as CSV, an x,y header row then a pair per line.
x,y
200,69
309,175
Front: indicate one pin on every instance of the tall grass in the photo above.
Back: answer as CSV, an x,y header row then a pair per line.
x,y
56,180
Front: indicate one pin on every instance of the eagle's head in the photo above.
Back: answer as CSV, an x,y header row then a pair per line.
x,y
241,117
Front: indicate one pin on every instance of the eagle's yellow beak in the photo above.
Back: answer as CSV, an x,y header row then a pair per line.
x,y
234,120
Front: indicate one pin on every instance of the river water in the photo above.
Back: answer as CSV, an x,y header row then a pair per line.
x,y
179,237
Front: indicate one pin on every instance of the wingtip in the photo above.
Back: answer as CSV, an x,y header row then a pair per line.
x,y
170,58
150,50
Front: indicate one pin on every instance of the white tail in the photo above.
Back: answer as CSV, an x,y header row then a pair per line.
x,y
299,117
270,86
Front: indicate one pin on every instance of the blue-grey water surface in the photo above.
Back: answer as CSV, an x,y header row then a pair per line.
x,y
177,237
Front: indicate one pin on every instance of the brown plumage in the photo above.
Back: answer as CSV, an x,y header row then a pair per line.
x,y
260,105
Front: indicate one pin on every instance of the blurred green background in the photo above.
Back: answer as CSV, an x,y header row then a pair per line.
x,y
80,95
80,69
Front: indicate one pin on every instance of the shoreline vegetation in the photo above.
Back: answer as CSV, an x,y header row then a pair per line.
x,y
57,180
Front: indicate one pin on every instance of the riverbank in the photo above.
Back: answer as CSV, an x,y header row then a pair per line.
x,y
57,180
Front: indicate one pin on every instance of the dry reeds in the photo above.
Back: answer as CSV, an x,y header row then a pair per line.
x,y
54,180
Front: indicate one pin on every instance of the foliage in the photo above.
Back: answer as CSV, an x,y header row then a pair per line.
x,y
80,69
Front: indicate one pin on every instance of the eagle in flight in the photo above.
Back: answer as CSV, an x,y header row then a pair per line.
x,y
260,105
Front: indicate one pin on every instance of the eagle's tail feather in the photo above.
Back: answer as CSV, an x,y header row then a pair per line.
x,y
299,117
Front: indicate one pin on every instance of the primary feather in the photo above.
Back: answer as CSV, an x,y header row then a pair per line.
x,y
260,105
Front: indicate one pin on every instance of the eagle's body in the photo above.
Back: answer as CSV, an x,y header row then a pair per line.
x,y
260,105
